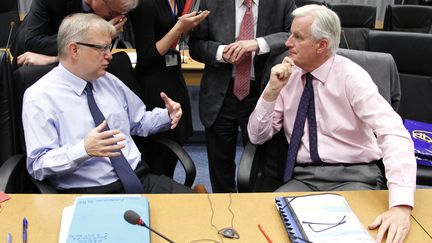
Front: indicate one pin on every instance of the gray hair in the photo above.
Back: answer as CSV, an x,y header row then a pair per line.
x,y
326,24
129,4
76,28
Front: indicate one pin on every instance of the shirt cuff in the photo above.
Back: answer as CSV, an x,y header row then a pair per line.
x,y
401,196
77,154
219,54
263,46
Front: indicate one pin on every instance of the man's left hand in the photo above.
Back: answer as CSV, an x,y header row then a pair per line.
x,y
396,222
174,109
234,53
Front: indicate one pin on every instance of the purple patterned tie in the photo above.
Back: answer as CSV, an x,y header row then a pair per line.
x,y
306,108
243,69
127,176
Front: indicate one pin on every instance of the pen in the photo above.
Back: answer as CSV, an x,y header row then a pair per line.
x,y
9,238
25,226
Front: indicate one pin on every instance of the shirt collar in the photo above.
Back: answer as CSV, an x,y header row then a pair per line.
x,y
239,3
85,7
321,73
76,83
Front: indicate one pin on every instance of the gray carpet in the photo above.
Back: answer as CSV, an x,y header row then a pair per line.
x,y
198,153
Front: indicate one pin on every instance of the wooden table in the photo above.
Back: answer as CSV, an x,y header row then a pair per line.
x,y
186,217
192,70
422,212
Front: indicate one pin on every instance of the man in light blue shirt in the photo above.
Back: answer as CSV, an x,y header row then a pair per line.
x,y
63,144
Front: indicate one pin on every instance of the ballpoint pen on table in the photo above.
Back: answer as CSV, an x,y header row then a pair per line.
x,y
9,238
25,226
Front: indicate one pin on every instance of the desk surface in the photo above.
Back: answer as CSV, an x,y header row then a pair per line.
x,y
423,209
186,217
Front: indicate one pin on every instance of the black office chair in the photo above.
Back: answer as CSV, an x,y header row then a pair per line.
x,y
8,14
26,76
262,166
300,3
356,21
414,67
409,18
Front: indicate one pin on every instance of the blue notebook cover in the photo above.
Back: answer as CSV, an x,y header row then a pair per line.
x,y
100,219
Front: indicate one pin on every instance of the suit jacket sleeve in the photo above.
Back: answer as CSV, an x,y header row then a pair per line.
x,y
276,40
40,37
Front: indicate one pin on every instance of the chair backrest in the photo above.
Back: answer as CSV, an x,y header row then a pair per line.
x,y
356,21
409,18
411,52
8,147
300,3
8,14
382,68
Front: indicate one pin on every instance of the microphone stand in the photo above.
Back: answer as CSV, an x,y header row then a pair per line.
x,y
154,231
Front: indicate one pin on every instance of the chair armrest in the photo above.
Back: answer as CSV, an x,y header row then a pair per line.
x,y
245,168
43,186
184,158
424,175
8,168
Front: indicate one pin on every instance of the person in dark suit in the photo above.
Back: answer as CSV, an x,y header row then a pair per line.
x,y
223,104
36,40
157,27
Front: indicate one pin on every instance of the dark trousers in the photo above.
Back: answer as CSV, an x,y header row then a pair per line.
x,y
152,184
221,137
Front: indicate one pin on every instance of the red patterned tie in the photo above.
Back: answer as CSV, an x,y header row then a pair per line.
x,y
243,69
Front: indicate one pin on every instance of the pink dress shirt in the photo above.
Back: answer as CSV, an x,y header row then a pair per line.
x,y
349,113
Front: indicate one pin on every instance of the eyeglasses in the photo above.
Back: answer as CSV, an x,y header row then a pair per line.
x,y
101,48
112,12
323,226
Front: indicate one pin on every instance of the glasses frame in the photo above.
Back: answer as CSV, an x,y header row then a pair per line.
x,y
103,49
330,225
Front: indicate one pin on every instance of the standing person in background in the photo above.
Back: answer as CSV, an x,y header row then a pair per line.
x,y
234,42
35,42
157,26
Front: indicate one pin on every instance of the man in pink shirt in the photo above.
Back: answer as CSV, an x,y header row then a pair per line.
x,y
340,129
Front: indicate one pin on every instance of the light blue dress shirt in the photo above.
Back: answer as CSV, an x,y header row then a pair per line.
x,y
56,119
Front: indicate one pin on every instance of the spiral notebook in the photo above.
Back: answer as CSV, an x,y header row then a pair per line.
x,y
320,218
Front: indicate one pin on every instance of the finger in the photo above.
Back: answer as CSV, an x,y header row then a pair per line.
x,y
288,60
165,98
101,126
113,148
111,154
375,223
108,134
391,233
229,49
174,123
113,140
400,235
381,231
240,54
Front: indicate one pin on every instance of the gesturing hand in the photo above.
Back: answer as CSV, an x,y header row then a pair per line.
x,y
118,22
189,21
99,143
174,109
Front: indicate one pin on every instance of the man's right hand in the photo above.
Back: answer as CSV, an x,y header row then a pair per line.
x,y
279,76
35,59
99,143
118,22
